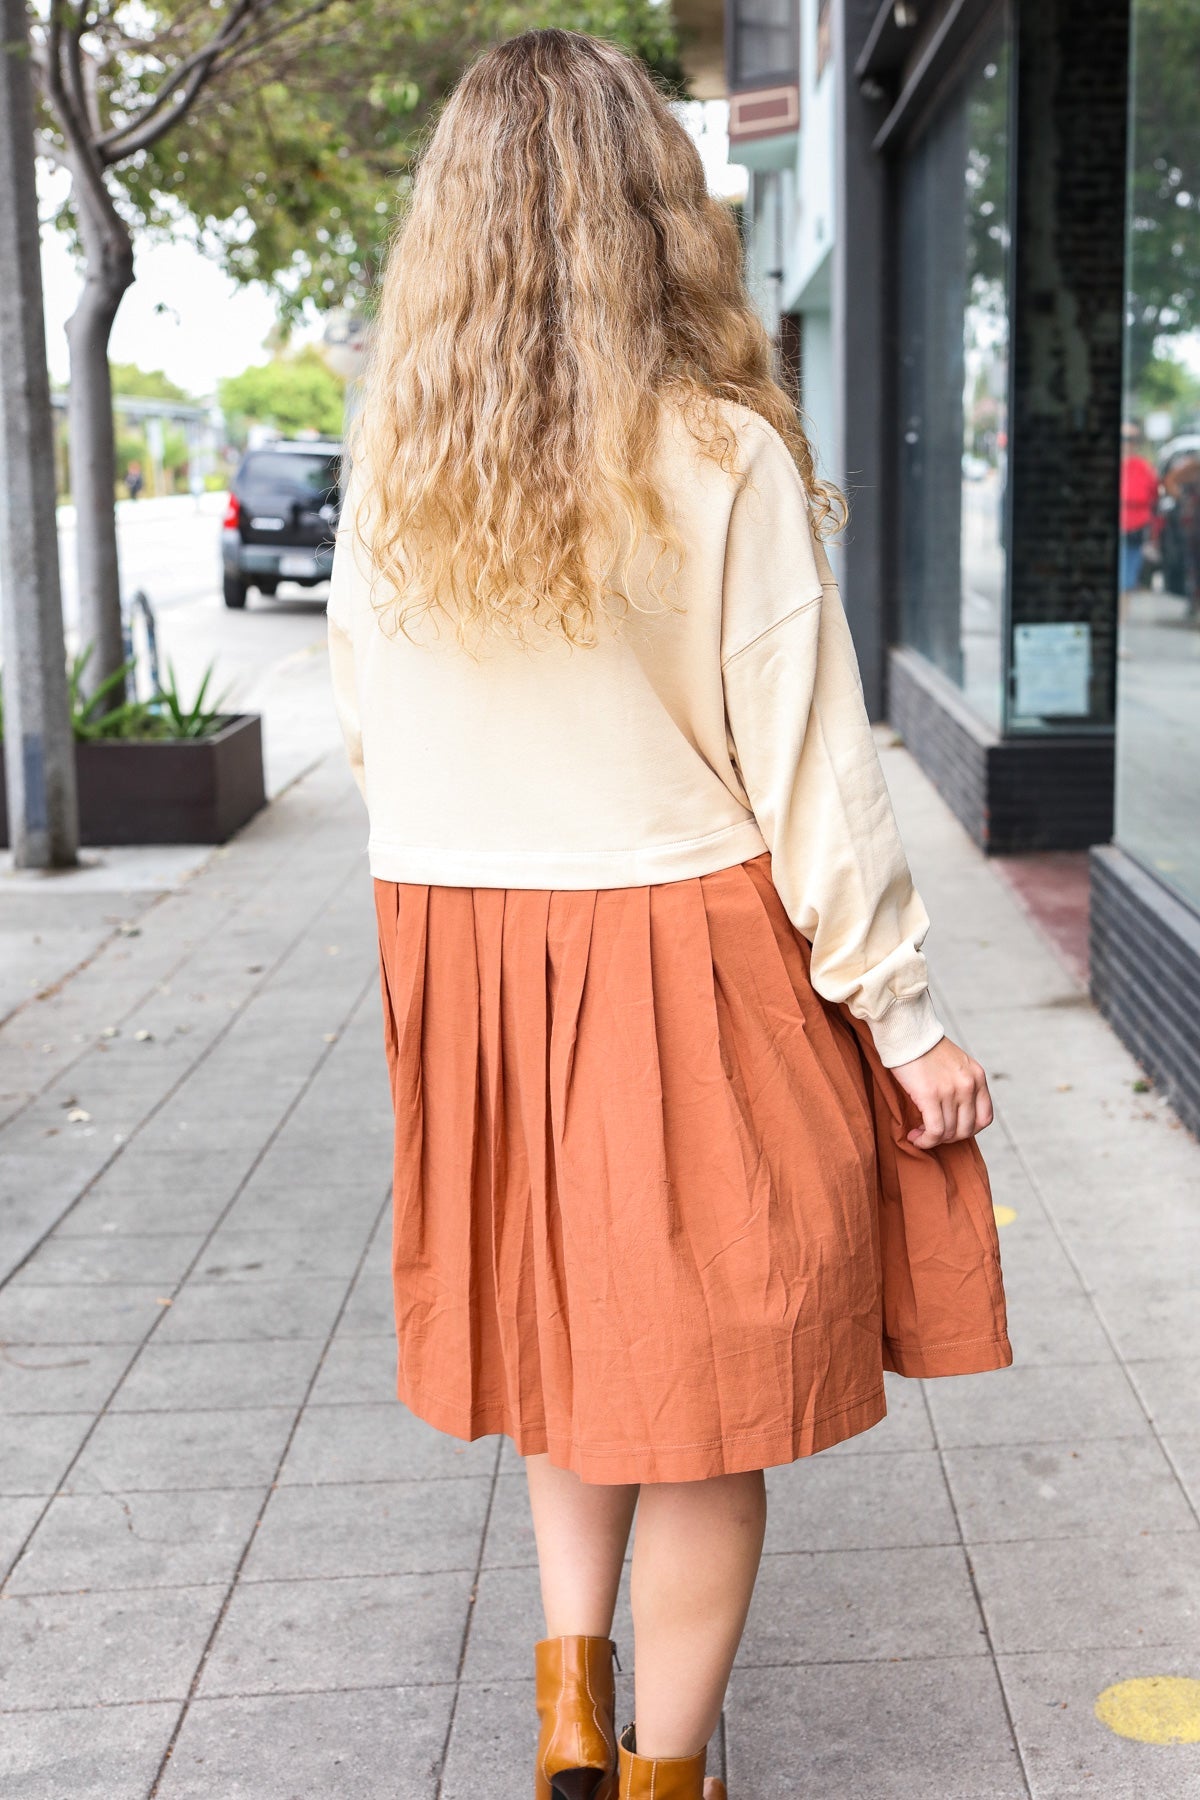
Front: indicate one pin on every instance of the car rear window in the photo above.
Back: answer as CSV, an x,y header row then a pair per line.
x,y
277,472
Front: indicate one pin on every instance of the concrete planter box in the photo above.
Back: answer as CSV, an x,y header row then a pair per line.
x,y
197,792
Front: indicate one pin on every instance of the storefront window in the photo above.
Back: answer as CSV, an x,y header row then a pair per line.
x,y
1158,676
954,252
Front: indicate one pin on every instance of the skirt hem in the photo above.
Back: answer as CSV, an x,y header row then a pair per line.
x,y
929,1362
633,1465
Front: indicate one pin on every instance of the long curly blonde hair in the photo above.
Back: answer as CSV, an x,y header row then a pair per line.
x,y
560,273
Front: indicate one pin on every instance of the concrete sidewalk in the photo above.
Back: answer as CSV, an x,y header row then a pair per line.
x,y
235,1567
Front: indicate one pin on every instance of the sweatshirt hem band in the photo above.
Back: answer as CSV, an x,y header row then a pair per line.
x,y
440,866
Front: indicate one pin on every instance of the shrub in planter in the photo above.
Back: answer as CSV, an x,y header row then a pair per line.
x,y
159,771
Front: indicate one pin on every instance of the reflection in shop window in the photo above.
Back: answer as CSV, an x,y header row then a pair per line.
x,y
985,391
1158,685
954,376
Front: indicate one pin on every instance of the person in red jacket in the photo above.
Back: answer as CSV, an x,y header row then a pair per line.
x,y
1139,497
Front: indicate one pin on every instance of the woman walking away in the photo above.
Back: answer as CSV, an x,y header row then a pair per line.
x,y
683,1160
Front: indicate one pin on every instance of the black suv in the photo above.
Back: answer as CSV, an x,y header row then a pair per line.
x,y
282,514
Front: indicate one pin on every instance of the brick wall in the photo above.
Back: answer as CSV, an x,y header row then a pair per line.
x,y
1068,268
1145,974
1011,794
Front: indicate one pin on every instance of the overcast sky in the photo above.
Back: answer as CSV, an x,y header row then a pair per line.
x,y
184,316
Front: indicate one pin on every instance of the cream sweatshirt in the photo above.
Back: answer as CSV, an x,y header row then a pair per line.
x,y
682,743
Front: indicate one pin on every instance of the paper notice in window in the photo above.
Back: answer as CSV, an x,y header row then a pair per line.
x,y
1052,667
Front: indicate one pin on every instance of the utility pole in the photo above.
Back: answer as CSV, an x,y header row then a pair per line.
x,y
38,750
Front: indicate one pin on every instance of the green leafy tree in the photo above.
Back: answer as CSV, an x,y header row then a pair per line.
x,y
1168,386
145,384
294,393
1164,249
131,383
276,131
117,77
175,454
986,185
295,181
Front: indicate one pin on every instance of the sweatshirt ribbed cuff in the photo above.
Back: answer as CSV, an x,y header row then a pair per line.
x,y
906,1030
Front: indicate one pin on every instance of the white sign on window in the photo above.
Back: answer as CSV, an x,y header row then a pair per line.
x,y
1053,667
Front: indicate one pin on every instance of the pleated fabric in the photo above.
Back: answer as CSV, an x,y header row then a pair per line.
x,y
655,1212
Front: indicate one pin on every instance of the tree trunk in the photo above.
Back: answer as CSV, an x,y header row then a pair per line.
x,y
108,266
39,754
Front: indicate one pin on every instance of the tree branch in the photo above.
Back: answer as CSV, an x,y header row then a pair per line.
x,y
45,147
244,56
80,157
50,69
239,72
227,55
178,28
82,92
187,77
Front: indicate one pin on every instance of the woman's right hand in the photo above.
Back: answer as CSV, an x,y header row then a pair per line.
x,y
950,1091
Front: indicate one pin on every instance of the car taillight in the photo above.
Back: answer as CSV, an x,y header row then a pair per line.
x,y
233,513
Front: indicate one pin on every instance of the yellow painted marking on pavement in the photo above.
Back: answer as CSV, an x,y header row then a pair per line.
x,y
1154,1709
1004,1214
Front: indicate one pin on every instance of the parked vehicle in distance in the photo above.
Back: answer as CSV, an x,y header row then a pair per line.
x,y
281,518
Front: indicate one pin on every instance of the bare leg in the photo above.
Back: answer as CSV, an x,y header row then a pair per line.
x,y
581,1530
695,1559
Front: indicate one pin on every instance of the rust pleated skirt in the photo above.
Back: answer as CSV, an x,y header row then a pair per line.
x,y
655,1212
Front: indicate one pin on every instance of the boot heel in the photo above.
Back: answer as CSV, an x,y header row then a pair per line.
x,y
578,1784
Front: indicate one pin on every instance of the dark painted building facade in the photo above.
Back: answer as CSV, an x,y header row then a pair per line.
x,y
1013,290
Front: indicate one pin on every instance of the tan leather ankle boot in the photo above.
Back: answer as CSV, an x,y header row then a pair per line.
x,y
577,1749
665,1778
